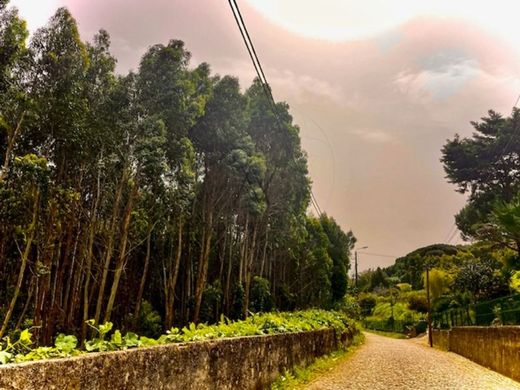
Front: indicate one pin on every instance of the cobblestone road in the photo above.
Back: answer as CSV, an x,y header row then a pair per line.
x,y
385,363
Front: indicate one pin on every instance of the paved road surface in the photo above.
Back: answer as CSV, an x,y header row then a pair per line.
x,y
385,363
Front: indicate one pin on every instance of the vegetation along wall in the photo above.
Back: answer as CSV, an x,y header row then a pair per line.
x,y
233,363
497,348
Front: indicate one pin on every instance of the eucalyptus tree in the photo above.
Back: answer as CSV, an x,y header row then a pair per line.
x,y
231,170
59,134
314,267
168,89
20,206
14,59
339,249
101,91
286,185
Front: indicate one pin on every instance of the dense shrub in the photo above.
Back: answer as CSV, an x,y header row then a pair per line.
x,y
418,302
350,306
150,322
367,302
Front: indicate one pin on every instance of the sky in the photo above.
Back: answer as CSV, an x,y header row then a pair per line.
x,y
376,86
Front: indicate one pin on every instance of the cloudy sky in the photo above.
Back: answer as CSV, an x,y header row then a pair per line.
x,y
377,86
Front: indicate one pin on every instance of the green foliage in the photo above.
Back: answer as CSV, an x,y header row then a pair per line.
x,y
261,299
514,284
22,349
150,322
238,302
350,306
404,287
339,248
410,268
440,282
105,340
485,166
367,303
378,279
417,302
481,278
211,298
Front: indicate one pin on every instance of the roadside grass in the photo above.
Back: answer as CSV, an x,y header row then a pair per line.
x,y
299,377
393,335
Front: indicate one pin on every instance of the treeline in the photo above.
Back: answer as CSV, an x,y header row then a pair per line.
x,y
150,199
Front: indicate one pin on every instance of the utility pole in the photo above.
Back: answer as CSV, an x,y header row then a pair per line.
x,y
430,334
355,265
355,268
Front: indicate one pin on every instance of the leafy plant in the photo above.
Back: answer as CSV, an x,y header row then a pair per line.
x,y
107,340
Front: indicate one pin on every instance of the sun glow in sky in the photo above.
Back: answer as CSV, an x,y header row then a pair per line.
x,y
340,20
36,12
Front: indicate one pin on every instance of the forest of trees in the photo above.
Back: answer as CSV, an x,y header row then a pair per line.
x,y
149,199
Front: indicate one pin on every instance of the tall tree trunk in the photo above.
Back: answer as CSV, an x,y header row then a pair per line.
x,y
122,252
249,271
25,257
27,303
144,276
172,279
110,248
243,252
45,314
264,252
202,269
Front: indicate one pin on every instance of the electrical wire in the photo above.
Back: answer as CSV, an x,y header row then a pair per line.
x,y
378,255
261,75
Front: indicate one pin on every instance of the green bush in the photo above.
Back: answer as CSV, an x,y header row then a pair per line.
x,y
211,300
150,322
350,306
367,303
261,299
418,303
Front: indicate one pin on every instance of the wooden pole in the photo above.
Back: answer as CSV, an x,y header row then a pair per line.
x,y
430,335
355,268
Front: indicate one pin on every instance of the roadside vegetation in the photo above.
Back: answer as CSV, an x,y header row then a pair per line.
x,y
106,338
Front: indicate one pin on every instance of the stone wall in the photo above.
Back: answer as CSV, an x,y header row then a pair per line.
x,y
234,363
441,339
497,348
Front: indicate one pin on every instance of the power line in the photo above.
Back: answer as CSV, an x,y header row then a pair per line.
x,y
316,205
261,75
247,40
378,255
